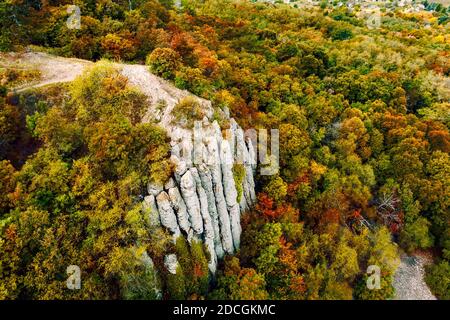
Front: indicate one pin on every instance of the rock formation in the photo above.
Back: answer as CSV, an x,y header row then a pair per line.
x,y
200,200
171,263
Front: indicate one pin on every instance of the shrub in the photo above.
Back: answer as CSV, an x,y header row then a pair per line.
x,y
238,175
176,285
187,111
164,62
16,77
438,279
117,47
416,235
276,189
385,292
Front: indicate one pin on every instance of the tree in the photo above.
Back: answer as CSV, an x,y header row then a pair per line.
x,y
9,127
238,283
118,47
276,189
437,278
385,292
164,62
78,195
102,92
7,186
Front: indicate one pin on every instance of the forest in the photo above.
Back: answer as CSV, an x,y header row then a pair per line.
x,y
363,116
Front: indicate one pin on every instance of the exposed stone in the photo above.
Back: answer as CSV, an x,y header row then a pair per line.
x,y
206,181
171,263
170,184
216,177
243,157
250,184
227,174
250,169
151,211
187,149
147,260
166,214
231,137
199,152
154,188
244,204
230,192
251,151
201,198
189,192
180,209
408,279
180,167
207,220
235,221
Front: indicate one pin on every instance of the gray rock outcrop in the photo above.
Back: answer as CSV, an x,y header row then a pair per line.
x,y
171,263
180,209
200,201
166,214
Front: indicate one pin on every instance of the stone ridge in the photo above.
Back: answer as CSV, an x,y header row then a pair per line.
x,y
200,200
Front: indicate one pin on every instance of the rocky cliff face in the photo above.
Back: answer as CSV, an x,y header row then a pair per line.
x,y
200,201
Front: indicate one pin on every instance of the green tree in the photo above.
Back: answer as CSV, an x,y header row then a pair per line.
x,y
164,62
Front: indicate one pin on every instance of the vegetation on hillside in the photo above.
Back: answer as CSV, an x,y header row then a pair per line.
x,y
363,116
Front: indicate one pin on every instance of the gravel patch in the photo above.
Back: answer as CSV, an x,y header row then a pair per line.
x,y
56,69
409,280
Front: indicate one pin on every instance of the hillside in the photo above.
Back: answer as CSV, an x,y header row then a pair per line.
x,y
224,150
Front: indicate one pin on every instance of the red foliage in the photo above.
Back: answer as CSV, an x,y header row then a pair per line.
x,y
198,271
293,187
208,65
287,256
440,139
266,207
297,285
271,211
356,214
332,215
11,232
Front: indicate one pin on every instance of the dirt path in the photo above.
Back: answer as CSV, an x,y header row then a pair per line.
x,y
58,69
53,69
409,280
